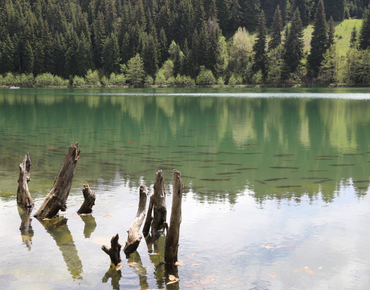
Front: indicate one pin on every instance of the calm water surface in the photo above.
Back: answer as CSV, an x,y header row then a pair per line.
x,y
276,186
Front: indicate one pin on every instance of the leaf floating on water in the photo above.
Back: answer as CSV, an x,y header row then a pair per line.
x,y
172,278
268,247
197,274
281,167
288,186
193,254
308,270
119,266
180,263
154,254
52,148
235,282
283,155
272,275
132,263
341,165
195,264
275,179
298,270
319,268
230,278
208,281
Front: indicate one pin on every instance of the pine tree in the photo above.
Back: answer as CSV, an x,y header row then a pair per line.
x,y
335,8
7,56
293,45
111,55
277,28
150,55
353,41
319,40
304,11
364,38
135,71
251,10
331,32
259,47
28,58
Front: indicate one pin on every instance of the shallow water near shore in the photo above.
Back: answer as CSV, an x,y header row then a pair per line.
x,y
276,185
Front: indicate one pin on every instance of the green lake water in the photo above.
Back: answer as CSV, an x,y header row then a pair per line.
x,y
276,186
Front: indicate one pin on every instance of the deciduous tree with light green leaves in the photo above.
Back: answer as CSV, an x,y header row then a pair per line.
x,y
135,71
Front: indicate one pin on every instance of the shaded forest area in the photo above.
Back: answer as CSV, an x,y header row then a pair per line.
x,y
179,43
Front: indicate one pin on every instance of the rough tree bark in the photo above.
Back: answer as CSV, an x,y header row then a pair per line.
x,y
134,236
149,217
57,197
114,251
89,201
157,207
173,234
23,195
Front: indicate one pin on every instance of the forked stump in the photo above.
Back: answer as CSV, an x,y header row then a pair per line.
x,y
57,197
23,195
89,201
114,251
134,236
173,234
157,211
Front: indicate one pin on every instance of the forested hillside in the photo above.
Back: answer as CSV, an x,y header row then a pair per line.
x,y
180,42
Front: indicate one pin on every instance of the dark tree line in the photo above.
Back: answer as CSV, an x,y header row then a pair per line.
x,y
68,38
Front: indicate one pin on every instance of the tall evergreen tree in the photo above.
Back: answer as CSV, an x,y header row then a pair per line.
x,y
331,32
111,55
335,8
319,41
304,10
353,40
259,47
364,38
251,10
7,56
293,45
277,28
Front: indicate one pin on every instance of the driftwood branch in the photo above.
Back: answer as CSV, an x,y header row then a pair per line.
x,y
89,201
159,206
57,197
23,195
114,251
134,236
149,217
173,234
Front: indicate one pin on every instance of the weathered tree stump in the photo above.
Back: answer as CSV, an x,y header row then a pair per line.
x,y
114,251
57,197
157,210
89,201
173,234
134,236
23,195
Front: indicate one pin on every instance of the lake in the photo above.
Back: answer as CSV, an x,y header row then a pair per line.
x,y
276,185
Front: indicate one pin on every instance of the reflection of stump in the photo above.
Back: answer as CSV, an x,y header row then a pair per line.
x,y
134,261
172,239
134,236
157,211
114,274
26,228
90,225
57,197
89,201
58,229
114,251
23,195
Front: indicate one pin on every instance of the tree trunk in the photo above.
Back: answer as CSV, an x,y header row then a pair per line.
x,y
57,197
114,251
159,206
173,234
134,236
89,201
149,217
23,195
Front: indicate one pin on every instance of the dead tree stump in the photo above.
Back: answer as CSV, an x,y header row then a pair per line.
x,y
57,197
23,195
89,201
173,234
134,236
157,211
114,251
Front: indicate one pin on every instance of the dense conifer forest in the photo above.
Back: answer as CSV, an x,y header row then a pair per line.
x,y
180,43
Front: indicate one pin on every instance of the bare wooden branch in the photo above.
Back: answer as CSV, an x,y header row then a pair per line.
x,y
89,201
23,195
57,197
134,236
173,234
159,206
114,251
149,217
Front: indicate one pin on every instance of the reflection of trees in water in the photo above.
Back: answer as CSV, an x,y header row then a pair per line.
x,y
134,261
26,228
223,128
114,275
58,229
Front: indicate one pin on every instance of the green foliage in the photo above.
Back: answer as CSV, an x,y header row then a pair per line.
x,y
205,77
277,29
330,66
78,81
276,62
240,50
259,47
235,80
135,71
48,80
160,79
92,78
364,38
117,79
220,81
148,82
183,81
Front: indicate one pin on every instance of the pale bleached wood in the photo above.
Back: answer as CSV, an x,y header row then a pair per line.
x,y
23,195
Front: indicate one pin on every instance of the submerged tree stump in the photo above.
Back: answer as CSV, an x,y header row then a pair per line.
x,y
23,195
57,197
114,251
173,234
134,236
157,211
89,201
